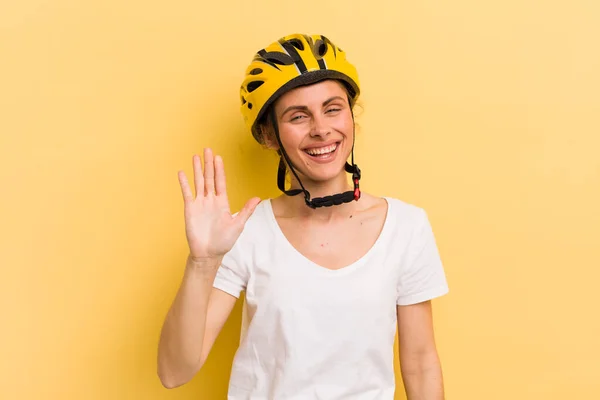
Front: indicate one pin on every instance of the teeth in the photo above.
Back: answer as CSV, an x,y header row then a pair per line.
x,y
322,150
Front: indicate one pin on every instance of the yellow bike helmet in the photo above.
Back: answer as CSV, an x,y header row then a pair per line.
x,y
292,61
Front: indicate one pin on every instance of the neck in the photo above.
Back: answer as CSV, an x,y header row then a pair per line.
x,y
295,206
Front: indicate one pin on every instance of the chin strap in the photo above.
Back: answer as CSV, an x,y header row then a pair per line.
x,y
327,201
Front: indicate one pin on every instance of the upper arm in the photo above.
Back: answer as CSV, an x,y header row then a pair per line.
x,y
220,305
419,361
415,330
422,275
422,278
230,281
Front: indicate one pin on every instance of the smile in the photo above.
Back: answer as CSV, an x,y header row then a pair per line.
x,y
322,151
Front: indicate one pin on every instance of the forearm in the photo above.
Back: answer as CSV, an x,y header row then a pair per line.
x,y
180,345
422,376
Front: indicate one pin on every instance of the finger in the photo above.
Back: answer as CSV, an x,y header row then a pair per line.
x,y
186,191
247,211
209,173
220,182
198,178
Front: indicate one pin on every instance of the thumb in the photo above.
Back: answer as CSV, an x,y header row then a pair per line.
x,y
247,211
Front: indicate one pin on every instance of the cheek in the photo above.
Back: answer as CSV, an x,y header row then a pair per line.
x,y
345,125
291,135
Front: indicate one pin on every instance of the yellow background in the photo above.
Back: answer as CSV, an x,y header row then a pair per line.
x,y
487,114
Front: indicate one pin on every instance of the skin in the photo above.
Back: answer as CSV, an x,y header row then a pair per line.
x,y
332,237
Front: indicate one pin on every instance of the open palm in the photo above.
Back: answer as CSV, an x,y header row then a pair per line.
x,y
211,229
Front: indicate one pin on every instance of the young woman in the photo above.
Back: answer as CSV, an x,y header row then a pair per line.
x,y
328,272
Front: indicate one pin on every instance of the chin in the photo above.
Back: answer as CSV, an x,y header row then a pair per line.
x,y
325,173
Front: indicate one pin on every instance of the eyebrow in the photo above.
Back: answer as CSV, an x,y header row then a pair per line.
x,y
304,108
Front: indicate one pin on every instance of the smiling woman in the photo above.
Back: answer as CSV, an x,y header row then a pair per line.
x,y
328,276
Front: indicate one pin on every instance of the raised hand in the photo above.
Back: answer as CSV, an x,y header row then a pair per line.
x,y
211,229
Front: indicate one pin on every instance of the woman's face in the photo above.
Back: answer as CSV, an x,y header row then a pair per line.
x,y
316,129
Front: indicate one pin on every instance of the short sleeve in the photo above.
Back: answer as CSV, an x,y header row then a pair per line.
x,y
232,275
422,275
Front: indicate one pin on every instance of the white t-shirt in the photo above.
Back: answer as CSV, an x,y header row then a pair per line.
x,y
314,333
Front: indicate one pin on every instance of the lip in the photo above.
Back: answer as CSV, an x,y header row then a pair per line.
x,y
324,144
327,159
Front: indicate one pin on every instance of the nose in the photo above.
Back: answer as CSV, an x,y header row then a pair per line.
x,y
319,127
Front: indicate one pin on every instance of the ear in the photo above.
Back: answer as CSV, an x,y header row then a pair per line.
x,y
268,136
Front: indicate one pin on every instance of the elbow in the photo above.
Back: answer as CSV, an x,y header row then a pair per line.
x,y
167,380
171,379
174,371
168,384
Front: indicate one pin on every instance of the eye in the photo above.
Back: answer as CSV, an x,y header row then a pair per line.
x,y
333,109
297,117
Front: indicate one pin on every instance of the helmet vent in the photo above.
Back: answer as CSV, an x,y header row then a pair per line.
x,y
252,86
321,48
297,43
279,58
250,106
256,71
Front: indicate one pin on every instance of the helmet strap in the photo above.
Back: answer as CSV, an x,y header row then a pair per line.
x,y
327,201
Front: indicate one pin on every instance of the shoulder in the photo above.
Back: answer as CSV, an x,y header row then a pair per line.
x,y
405,214
259,223
255,233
